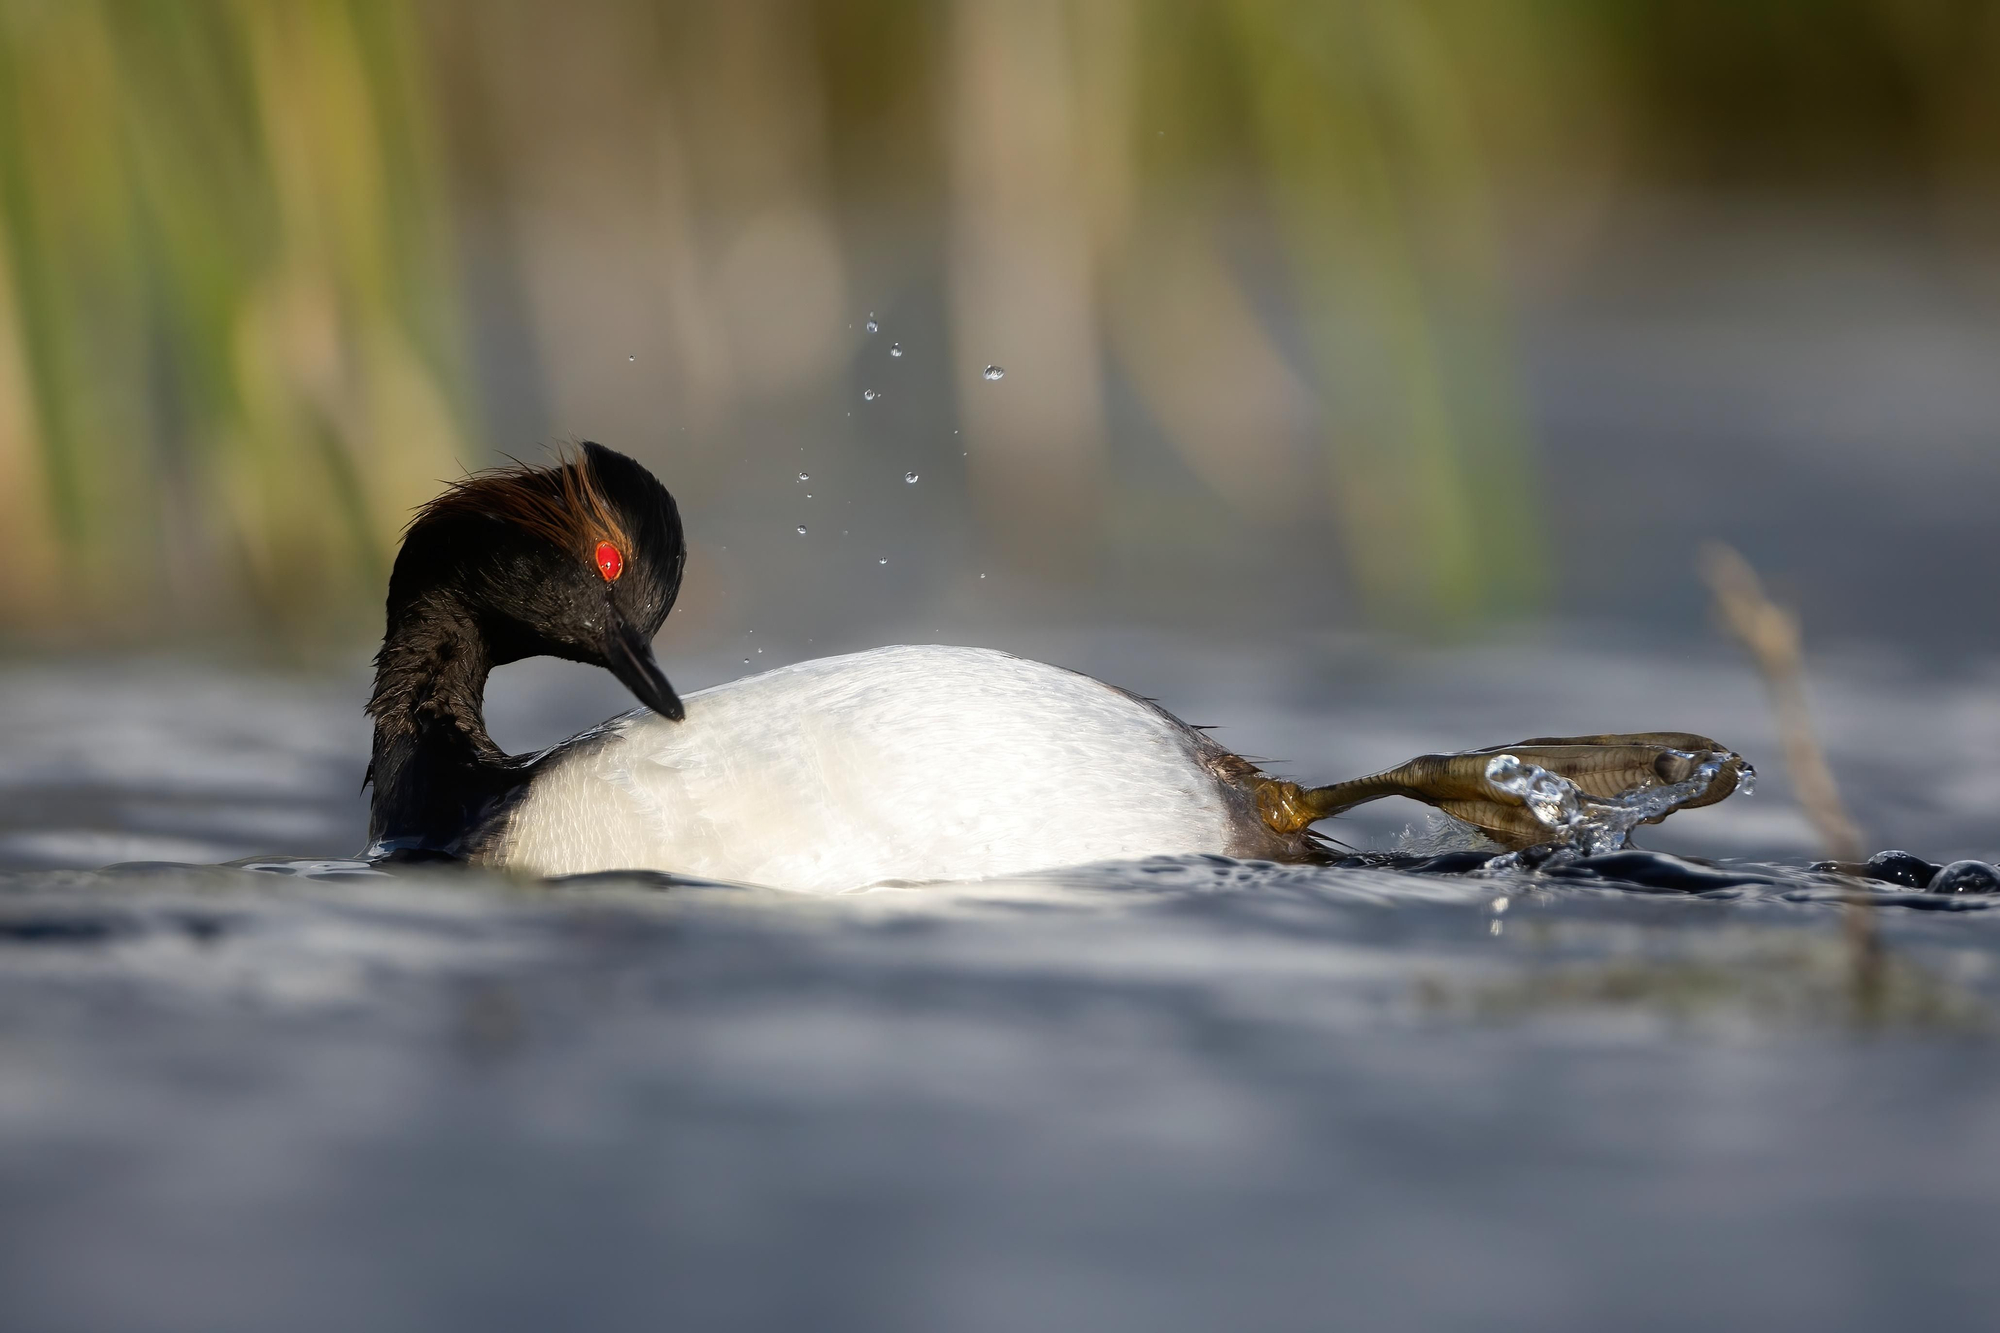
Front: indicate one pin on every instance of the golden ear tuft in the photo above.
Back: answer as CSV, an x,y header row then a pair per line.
x,y
560,504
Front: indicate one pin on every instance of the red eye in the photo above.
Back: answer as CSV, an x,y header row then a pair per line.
x,y
609,562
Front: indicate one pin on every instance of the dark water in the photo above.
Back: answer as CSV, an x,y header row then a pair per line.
x,y
1182,1094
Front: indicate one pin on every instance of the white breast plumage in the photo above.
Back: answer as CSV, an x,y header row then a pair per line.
x,y
907,763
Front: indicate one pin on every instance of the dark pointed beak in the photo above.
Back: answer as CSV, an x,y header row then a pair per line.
x,y
630,657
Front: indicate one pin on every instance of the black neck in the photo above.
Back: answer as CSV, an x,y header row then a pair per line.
x,y
438,776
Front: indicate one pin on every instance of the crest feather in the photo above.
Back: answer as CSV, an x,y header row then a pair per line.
x,y
560,504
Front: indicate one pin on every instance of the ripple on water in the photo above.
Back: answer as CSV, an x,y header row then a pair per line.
x,y
311,1054
1280,1087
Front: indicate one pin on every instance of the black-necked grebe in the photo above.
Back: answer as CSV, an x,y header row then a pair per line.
x,y
905,763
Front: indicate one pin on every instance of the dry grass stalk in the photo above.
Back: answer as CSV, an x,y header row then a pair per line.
x,y
1772,635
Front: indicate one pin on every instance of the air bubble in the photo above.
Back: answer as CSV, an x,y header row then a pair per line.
x,y
867,395
910,477
872,326
805,476
993,373
802,529
895,349
883,561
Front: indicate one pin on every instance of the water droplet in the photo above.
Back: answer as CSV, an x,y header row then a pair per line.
x,y
993,373
872,326
910,477
868,395
895,349
802,529
805,476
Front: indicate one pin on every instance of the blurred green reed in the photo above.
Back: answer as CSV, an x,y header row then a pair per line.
x,y
232,306
233,351
1376,171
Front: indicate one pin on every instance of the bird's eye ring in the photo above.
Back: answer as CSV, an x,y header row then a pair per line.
x,y
609,562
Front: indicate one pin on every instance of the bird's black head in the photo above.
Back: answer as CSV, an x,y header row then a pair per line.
x,y
580,560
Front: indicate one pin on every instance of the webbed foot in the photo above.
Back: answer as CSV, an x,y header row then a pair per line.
x,y
1627,779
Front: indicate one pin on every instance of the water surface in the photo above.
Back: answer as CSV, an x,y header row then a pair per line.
x,y
1187,1093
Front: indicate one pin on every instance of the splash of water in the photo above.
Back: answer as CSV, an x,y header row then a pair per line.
x,y
1591,825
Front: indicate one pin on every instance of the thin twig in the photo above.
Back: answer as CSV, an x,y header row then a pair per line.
x,y
1772,635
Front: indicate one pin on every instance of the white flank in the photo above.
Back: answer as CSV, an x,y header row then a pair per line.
x,y
908,763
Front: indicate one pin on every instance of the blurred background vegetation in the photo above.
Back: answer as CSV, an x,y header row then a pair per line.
x,y
274,268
